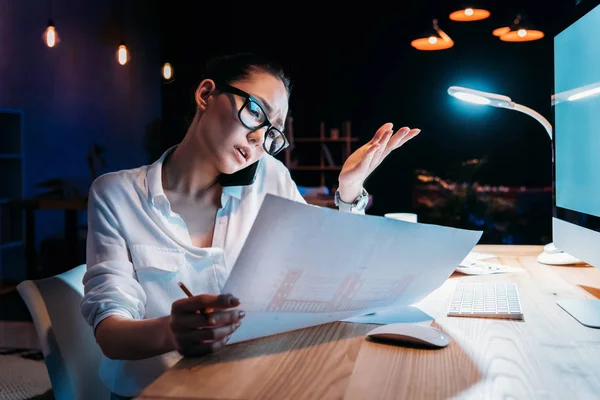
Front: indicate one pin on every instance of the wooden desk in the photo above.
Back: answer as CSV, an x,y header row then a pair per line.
x,y
549,355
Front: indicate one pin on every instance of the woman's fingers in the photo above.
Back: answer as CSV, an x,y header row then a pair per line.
x,y
409,135
194,321
192,337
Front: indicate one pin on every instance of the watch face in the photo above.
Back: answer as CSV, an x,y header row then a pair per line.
x,y
359,204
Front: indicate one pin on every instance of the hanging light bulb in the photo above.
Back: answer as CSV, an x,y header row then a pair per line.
x,y
470,14
436,41
50,35
167,71
122,54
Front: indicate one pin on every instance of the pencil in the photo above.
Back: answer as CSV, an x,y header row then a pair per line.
x,y
189,294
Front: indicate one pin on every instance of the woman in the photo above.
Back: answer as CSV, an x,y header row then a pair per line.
x,y
185,218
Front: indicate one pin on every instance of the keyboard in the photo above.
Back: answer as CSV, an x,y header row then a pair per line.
x,y
486,300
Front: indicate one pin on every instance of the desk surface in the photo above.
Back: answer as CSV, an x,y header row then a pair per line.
x,y
549,355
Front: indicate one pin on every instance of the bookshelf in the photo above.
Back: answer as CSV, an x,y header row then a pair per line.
x,y
317,161
12,251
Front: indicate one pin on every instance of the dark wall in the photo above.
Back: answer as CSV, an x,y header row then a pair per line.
x,y
76,95
356,63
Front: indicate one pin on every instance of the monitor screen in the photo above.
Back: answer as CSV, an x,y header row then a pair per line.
x,y
577,121
576,112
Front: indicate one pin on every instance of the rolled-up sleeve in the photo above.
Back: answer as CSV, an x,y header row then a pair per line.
x,y
110,287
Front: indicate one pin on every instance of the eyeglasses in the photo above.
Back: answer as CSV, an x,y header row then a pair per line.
x,y
253,116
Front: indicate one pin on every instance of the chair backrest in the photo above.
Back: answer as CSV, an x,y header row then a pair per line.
x,y
70,350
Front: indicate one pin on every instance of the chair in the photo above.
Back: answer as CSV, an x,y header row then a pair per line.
x,y
70,350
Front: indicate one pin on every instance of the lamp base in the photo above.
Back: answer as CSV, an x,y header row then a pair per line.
x,y
553,256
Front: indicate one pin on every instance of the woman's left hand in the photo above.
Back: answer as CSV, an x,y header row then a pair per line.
x,y
363,161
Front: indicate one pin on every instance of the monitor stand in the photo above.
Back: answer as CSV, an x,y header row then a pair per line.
x,y
587,312
553,256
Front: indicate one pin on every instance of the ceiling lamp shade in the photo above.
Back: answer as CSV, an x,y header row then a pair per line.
x,y
522,35
501,31
469,14
518,32
437,40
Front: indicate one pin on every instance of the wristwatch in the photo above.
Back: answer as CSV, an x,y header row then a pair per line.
x,y
357,206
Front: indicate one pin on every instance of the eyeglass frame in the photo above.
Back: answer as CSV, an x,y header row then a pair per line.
x,y
226,88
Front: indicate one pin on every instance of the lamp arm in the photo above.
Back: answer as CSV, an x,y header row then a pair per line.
x,y
440,32
532,113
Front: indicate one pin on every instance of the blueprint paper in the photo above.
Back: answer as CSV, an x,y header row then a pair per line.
x,y
303,265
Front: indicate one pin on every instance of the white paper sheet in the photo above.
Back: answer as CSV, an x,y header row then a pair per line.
x,y
303,265
393,315
480,267
477,256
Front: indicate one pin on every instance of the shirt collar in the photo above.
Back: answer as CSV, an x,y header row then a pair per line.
x,y
154,177
234,191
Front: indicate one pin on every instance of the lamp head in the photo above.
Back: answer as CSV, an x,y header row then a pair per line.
x,y
479,97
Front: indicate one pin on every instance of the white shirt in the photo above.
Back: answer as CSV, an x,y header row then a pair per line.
x,y
138,249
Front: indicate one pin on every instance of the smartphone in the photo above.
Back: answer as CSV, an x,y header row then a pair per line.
x,y
243,177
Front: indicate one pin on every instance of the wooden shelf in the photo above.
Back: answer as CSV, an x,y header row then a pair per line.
x,y
315,168
329,150
324,140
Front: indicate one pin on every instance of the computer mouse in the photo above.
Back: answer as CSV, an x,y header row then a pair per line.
x,y
410,334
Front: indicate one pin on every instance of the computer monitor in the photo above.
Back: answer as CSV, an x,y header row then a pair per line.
x,y
576,113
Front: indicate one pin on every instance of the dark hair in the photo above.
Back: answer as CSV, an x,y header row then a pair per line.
x,y
236,67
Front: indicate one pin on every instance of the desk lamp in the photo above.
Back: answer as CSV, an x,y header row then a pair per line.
x,y
551,255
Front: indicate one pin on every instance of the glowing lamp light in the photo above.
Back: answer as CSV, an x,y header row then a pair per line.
x,y
122,54
167,71
500,101
469,14
50,35
471,98
441,41
497,100
518,32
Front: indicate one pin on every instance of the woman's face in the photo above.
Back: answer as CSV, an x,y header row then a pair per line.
x,y
230,145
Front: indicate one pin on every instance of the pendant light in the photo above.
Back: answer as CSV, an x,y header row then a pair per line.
x,y
50,35
469,14
436,40
520,31
167,72
122,54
